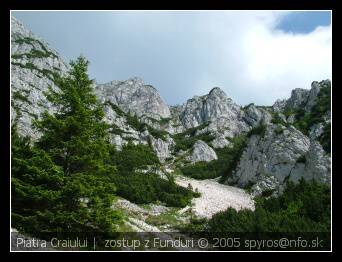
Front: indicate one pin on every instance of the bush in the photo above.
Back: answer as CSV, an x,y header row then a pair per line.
x,y
157,133
143,188
278,130
304,207
301,159
278,120
325,138
259,130
133,157
150,188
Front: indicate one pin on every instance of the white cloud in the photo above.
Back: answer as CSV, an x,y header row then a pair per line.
x,y
261,63
187,53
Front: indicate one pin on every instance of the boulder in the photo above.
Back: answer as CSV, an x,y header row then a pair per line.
x,y
202,152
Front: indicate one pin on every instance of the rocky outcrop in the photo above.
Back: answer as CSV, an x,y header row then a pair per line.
x,y
202,152
301,98
216,105
220,141
33,65
279,105
162,147
318,164
255,116
120,132
316,131
282,154
133,96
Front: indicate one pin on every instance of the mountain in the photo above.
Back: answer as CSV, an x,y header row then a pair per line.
x,y
133,96
33,68
286,141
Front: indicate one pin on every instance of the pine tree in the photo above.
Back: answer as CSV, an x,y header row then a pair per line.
x,y
74,150
75,136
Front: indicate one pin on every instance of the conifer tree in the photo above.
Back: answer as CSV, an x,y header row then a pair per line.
x,y
36,184
73,150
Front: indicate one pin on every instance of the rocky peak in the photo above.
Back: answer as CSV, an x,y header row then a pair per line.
x,y
18,30
201,109
314,91
255,116
301,98
298,98
134,96
216,91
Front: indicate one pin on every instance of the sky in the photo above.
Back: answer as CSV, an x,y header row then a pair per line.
x,y
254,56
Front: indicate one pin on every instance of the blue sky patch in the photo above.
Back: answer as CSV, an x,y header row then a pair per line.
x,y
304,22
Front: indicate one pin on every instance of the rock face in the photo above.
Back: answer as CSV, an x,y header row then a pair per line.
x,y
33,66
282,154
220,142
135,97
162,148
216,105
255,116
202,152
301,98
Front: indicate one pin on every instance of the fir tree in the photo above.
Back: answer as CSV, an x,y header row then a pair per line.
x,y
64,182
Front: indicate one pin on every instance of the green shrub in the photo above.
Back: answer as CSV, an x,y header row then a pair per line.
x,y
164,120
133,157
304,207
277,120
157,133
259,130
17,95
278,130
150,188
35,53
144,188
325,138
301,159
